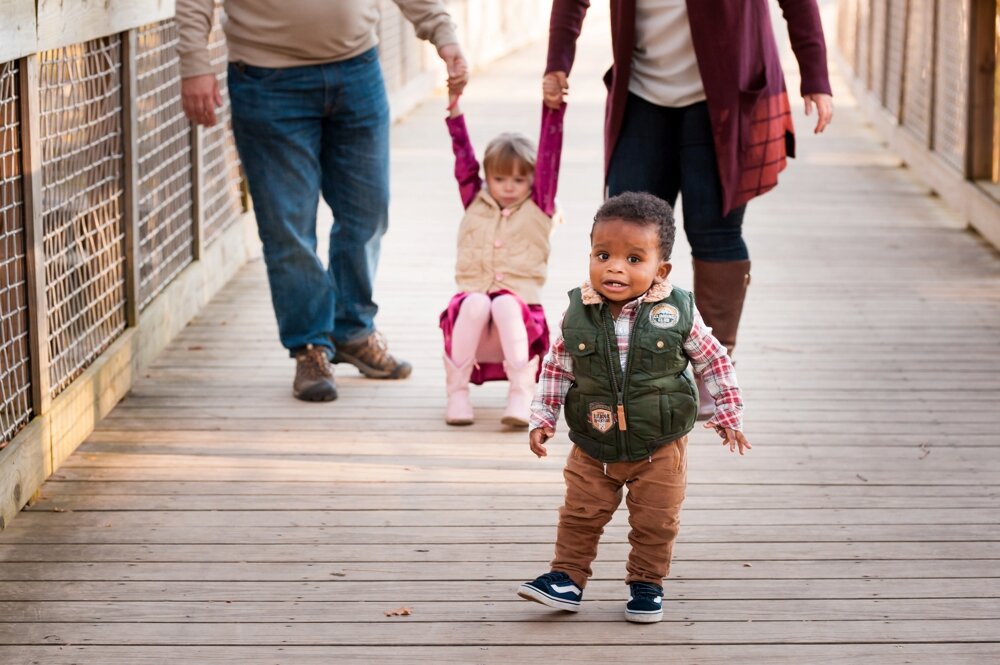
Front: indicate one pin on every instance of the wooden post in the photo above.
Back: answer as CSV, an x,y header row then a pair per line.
x,y
130,172
198,189
31,170
982,100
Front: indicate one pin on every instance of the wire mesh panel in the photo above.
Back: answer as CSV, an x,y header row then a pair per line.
x,y
919,61
847,31
390,37
221,163
880,14
81,139
894,55
166,222
15,370
952,87
863,64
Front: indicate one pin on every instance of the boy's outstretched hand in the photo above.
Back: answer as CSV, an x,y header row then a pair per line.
x,y
537,439
731,438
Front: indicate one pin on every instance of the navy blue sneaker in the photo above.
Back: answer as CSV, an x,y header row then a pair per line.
x,y
554,589
645,603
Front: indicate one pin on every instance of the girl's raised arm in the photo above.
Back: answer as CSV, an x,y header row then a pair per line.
x,y
466,165
543,190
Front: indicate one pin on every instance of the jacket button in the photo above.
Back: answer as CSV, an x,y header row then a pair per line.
x,y
659,344
582,346
498,243
499,276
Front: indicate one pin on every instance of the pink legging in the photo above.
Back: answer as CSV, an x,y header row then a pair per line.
x,y
489,331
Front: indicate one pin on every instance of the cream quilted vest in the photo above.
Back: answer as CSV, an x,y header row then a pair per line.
x,y
497,252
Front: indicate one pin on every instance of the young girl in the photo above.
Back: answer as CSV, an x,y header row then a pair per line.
x,y
494,327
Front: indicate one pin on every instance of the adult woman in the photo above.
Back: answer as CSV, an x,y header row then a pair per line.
x,y
697,106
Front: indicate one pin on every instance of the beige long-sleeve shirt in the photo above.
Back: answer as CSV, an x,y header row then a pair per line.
x,y
290,33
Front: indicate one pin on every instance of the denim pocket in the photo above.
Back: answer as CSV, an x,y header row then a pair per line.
x,y
241,71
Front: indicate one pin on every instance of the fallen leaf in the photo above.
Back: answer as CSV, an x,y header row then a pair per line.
x,y
925,450
861,478
399,612
196,347
57,509
748,565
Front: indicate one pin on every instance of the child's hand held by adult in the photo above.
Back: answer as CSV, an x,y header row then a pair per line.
x,y
555,86
537,439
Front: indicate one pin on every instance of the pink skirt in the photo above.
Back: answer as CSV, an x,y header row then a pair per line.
x,y
534,322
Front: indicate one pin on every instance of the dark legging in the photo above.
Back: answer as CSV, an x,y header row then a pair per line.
x,y
666,151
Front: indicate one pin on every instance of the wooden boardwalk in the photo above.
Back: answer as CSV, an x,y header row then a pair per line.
x,y
214,519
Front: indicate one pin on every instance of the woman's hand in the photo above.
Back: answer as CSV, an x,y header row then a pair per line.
x,y
555,86
824,109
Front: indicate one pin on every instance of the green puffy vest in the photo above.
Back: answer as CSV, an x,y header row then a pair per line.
x,y
655,395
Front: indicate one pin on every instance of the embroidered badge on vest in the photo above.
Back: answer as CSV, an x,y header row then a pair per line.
x,y
664,316
601,418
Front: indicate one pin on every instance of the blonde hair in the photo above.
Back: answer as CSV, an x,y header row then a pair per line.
x,y
510,153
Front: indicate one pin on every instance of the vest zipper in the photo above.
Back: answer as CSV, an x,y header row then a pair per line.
x,y
613,355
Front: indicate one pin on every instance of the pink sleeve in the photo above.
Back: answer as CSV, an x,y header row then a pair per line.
x,y
543,191
466,165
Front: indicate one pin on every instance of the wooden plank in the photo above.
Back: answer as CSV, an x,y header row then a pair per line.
x,y
65,22
709,654
181,563
24,465
17,32
514,610
577,634
403,591
474,514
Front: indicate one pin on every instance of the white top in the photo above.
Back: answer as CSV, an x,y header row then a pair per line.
x,y
664,65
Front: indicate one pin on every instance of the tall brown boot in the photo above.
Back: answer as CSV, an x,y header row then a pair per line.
x,y
719,290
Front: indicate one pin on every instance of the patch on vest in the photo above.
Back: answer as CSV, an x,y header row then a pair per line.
x,y
664,316
601,417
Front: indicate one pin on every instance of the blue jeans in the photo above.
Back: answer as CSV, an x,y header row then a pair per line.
x,y
664,151
301,131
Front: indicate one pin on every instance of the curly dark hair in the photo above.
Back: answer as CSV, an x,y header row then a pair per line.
x,y
645,210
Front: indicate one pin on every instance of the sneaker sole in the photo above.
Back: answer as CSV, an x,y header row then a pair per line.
x,y
643,617
401,371
531,593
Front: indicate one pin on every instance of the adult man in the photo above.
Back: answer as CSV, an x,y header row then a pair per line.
x,y
310,115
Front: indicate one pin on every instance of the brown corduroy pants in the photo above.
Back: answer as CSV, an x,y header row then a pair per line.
x,y
656,488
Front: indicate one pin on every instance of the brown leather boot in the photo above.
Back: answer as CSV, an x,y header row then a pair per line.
x,y
719,290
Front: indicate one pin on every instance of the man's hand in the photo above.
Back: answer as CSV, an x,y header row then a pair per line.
x,y
731,437
458,68
555,86
537,439
824,109
200,97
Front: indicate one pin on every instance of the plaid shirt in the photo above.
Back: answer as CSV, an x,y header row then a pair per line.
x,y
707,356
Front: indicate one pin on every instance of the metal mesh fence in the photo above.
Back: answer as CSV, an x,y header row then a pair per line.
x,y
15,370
222,179
166,222
81,139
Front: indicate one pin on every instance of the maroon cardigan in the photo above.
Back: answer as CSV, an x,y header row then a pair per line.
x,y
740,70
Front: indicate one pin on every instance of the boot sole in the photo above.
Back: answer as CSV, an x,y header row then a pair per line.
x,y
513,421
400,372
316,394
458,423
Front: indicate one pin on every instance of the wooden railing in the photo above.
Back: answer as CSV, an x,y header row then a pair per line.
x,y
925,71
118,220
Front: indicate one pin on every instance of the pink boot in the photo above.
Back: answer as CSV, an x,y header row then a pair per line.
x,y
520,393
459,410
